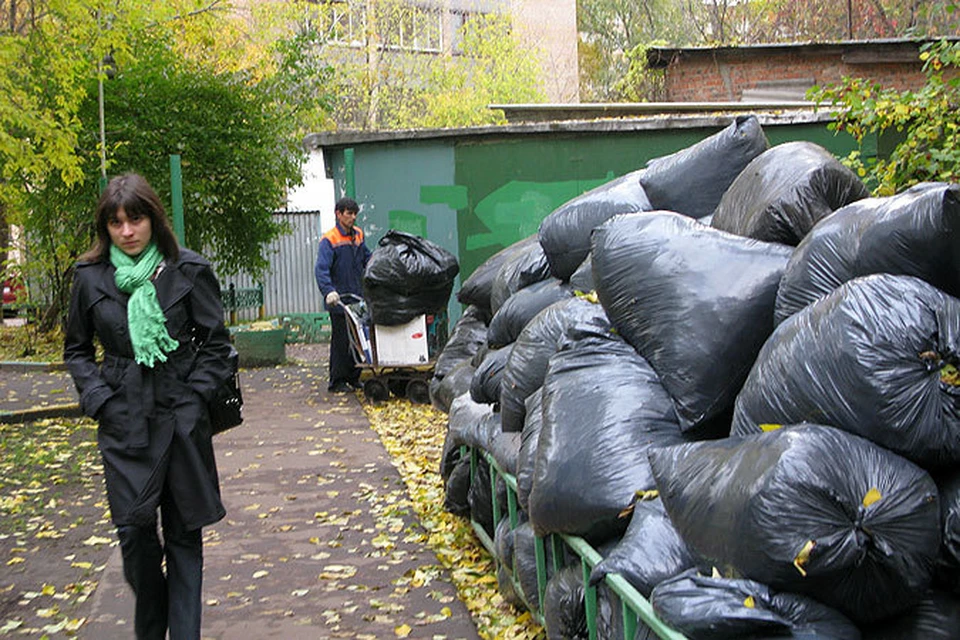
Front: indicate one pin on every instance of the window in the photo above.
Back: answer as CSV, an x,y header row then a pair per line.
x,y
404,26
345,22
416,28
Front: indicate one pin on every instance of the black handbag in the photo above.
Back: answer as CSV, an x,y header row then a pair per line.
x,y
226,405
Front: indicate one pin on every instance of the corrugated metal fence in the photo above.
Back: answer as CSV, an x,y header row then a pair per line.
x,y
289,285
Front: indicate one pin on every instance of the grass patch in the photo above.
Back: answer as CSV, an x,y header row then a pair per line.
x,y
25,343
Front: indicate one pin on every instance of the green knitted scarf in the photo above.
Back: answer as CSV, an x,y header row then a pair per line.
x,y
148,330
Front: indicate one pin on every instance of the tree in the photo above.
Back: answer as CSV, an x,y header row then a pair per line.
x,y
925,123
493,69
613,33
233,119
394,70
828,20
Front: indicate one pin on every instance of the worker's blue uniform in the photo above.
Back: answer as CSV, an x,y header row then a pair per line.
x,y
341,259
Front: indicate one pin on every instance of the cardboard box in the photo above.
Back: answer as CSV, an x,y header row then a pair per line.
x,y
403,344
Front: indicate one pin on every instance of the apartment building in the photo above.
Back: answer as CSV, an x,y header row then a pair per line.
x,y
431,27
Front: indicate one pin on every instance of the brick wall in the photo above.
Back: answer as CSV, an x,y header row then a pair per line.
x,y
716,77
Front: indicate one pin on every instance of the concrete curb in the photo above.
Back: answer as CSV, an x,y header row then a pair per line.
x,y
18,366
20,416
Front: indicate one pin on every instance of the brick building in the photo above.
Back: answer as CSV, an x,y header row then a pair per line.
x,y
783,72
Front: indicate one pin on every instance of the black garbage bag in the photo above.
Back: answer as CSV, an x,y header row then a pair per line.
x,y
503,546
808,509
877,357
697,303
914,233
525,562
603,408
480,355
407,276
503,542
457,488
609,614
529,439
565,232
717,608
564,608
480,497
466,426
455,383
518,272
582,278
467,336
540,339
692,181
936,617
505,448
485,386
786,190
650,551
948,569
478,287
520,308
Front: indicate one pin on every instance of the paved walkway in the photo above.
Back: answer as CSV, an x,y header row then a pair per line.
x,y
319,539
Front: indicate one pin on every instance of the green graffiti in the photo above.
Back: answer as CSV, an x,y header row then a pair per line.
x,y
454,196
408,222
515,210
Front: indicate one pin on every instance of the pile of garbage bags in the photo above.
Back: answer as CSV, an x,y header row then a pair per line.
x,y
737,377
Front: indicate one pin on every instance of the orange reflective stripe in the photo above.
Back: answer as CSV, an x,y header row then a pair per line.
x,y
337,239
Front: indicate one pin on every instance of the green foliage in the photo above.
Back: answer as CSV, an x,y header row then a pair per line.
x,y
189,82
613,36
640,83
394,76
925,123
494,68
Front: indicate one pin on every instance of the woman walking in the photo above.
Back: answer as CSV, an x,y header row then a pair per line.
x,y
155,309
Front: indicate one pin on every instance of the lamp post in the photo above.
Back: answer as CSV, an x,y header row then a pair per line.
x,y
106,66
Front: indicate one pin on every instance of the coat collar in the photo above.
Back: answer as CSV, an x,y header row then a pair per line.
x,y
171,284
353,233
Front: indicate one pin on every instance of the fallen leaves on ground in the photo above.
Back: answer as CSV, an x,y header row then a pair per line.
x,y
55,533
413,435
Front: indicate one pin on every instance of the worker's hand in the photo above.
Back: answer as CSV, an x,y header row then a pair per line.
x,y
333,299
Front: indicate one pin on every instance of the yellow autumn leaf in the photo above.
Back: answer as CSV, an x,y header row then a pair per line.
x,y
74,624
872,496
402,631
804,556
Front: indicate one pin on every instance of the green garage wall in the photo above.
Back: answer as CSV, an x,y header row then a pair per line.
x,y
475,195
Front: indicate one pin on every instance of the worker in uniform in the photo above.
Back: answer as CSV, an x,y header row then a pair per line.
x,y
341,260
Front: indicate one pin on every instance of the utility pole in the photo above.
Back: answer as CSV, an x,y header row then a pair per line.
x,y
850,19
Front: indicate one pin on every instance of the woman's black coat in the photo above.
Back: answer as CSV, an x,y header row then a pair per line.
x,y
154,433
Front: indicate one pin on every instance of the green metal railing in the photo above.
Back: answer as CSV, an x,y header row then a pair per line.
x,y
634,607
235,299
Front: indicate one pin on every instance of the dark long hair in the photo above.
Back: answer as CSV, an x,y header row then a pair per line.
x,y
136,197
